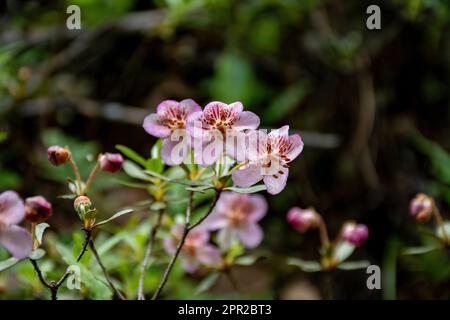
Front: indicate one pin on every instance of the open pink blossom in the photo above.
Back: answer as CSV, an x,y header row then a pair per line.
x,y
236,215
15,239
196,250
268,156
217,128
169,123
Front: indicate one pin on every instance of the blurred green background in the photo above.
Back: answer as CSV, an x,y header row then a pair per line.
x,y
372,107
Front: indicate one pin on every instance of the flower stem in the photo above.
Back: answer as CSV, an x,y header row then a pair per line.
x,y
117,293
91,177
323,232
76,172
148,253
187,228
33,236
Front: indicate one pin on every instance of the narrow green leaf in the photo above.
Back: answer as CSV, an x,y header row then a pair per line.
x,y
253,189
421,250
68,196
115,216
354,265
8,263
343,250
131,154
134,171
246,260
36,254
207,283
307,266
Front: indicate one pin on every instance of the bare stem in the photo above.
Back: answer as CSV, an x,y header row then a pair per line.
x,y
213,204
148,253
324,239
76,173
117,293
91,177
40,275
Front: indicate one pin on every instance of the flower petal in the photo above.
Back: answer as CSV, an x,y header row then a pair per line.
x,y
250,235
247,120
209,255
16,240
12,209
225,237
190,264
247,175
153,126
258,207
276,185
194,125
173,152
236,106
169,245
215,221
166,104
297,146
190,106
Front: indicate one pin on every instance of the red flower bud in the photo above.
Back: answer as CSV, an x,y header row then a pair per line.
x,y
37,209
58,155
111,162
354,233
303,219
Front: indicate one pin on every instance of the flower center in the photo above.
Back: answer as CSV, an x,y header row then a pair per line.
x,y
189,247
219,117
174,117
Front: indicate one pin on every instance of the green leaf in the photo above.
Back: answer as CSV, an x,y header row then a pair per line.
x,y
156,150
8,263
421,250
68,196
443,232
36,254
131,154
99,289
253,189
134,171
246,260
39,232
354,265
343,250
115,216
155,165
130,184
207,283
307,266
3,136
157,206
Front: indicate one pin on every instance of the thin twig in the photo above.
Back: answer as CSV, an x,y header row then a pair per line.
x,y
55,285
187,229
39,273
148,253
91,177
105,272
76,172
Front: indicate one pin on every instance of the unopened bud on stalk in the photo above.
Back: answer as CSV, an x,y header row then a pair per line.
x,y
37,209
303,219
356,234
421,207
58,155
87,214
111,162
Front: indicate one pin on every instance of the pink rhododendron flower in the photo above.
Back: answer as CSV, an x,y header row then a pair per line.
x,y
303,219
354,233
217,128
237,215
196,250
169,123
269,155
15,239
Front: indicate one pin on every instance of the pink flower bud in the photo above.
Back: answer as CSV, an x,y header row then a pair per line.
x,y
303,219
58,155
421,207
354,233
37,209
111,162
